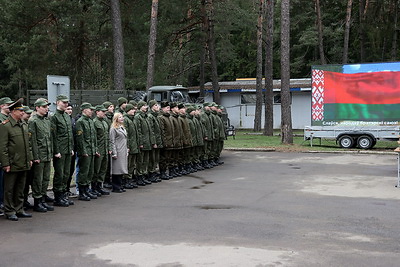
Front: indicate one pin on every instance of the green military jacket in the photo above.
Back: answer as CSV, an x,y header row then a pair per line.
x,y
3,117
155,125
146,133
178,135
61,130
166,130
206,121
103,136
109,118
198,135
41,139
221,127
86,139
192,128
215,125
186,134
133,134
15,148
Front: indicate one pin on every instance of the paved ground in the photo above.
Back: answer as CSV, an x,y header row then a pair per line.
x,y
258,209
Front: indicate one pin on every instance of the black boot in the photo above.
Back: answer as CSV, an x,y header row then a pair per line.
x,y
163,175
146,179
66,198
48,199
132,183
140,181
101,189
59,201
47,206
88,192
27,205
128,184
94,190
82,195
38,205
153,177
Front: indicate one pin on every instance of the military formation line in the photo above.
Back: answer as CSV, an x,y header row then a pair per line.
x,y
136,144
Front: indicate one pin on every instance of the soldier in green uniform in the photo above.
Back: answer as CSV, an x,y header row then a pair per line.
x,y
147,141
197,138
201,134
184,157
103,148
109,117
155,152
86,145
42,150
14,144
63,144
4,112
167,137
222,136
122,102
133,146
178,140
209,134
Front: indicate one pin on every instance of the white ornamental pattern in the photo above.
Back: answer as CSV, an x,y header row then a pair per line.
x,y
318,82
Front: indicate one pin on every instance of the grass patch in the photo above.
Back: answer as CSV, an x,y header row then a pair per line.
x,y
246,138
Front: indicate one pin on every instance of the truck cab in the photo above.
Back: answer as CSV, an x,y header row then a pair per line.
x,y
169,93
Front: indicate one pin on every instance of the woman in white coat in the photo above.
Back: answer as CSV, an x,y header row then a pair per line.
x,y
119,148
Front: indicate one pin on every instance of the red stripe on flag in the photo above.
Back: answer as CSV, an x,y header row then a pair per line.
x,y
362,88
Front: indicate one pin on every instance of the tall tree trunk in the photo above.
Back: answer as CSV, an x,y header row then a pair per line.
x,y
320,32
119,60
269,79
212,51
204,29
347,32
286,116
152,44
361,29
259,83
393,54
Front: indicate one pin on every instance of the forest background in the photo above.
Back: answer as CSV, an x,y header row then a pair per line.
x,y
74,38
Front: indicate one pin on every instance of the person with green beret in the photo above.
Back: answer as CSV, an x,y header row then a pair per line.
x,y
154,110
129,180
122,102
147,141
103,148
14,143
86,146
63,150
42,151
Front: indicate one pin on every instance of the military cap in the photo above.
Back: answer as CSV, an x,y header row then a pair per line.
x,y
173,104
100,108
122,100
133,102
5,100
86,105
41,102
190,109
141,104
28,110
62,98
206,104
129,107
107,104
220,107
181,105
152,103
164,104
17,105
213,104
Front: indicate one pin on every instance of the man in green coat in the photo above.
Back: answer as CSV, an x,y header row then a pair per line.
x,y
14,144
184,157
42,150
86,145
147,141
155,152
208,136
63,150
4,112
133,146
178,140
103,148
109,117
167,137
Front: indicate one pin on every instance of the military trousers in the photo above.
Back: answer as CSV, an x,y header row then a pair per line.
x,y
62,168
86,169
165,158
143,162
14,184
41,178
100,168
220,147
207,150
1,185
132,165
154,159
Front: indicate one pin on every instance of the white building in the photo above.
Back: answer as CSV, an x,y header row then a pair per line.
x,y
238,97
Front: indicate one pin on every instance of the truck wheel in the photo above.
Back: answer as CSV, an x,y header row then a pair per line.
x,y
365,142
346,141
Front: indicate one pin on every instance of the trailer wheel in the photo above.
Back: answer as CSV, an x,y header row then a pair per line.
x,y
365,142
346,141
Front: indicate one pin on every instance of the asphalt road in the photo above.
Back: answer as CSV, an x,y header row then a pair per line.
x,y
258,209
